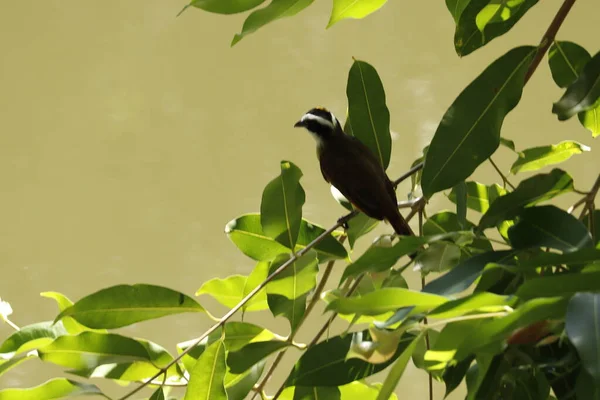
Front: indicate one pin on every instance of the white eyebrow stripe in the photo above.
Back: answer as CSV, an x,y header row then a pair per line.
x,y
334,119
320,120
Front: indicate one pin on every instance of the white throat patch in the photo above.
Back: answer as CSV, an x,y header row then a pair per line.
x,y
320,120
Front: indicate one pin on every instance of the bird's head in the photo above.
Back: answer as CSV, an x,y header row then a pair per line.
x,y
321,123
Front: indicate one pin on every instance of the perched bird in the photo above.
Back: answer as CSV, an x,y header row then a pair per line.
x,y
351,167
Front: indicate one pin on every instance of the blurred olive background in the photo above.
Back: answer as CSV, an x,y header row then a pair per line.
x,y
130,137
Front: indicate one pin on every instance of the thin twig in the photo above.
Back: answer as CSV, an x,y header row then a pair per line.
x,y
12,324
504,178
548,37
311,305
408,174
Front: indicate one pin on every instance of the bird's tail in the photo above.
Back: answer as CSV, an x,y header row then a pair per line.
x,y
400,225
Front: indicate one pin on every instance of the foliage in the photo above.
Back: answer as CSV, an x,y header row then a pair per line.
x,y
512,306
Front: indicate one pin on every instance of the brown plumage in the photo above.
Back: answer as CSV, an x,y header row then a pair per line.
x,y
353,169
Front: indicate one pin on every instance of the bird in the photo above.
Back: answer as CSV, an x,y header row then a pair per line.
x,y
352,168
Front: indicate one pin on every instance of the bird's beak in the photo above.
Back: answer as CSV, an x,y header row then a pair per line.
x,y
299,124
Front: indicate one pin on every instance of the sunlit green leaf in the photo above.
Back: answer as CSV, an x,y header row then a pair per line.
x,y
384,300
281,205
445,222
226,6
356,9
480,196
590,119
239,334
246,233
476,302
297,279
454,374
583,329
481,21
379,348
275,10
325,364
316,393
549,226
470,130
509,144
538,157
6,365
124,305
58,388
206,378
582,94
367,111
91,349
244,358
231,290
70,324
531,191
32,337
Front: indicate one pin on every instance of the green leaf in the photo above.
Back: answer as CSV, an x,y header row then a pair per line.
x,y
360,226
446,222
559,285
31,337
239,385
464,274
292,310
384,300
538,157
158,394
596,231
91,349
367,111
231,290
583,329
297,279
470,130
507,143
58,388
124,305
397,370
381,257
460,194
6,365
567,60
246,233
132,371
241,360
590,119
481,21
475,302
71,325
275,10
579,257
456,7
531,191
206,379
454,374
549,226
281,206
360,390
239,334
327,249
479,196
325,364
438,257
582,94
226,6
316,393
356,9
